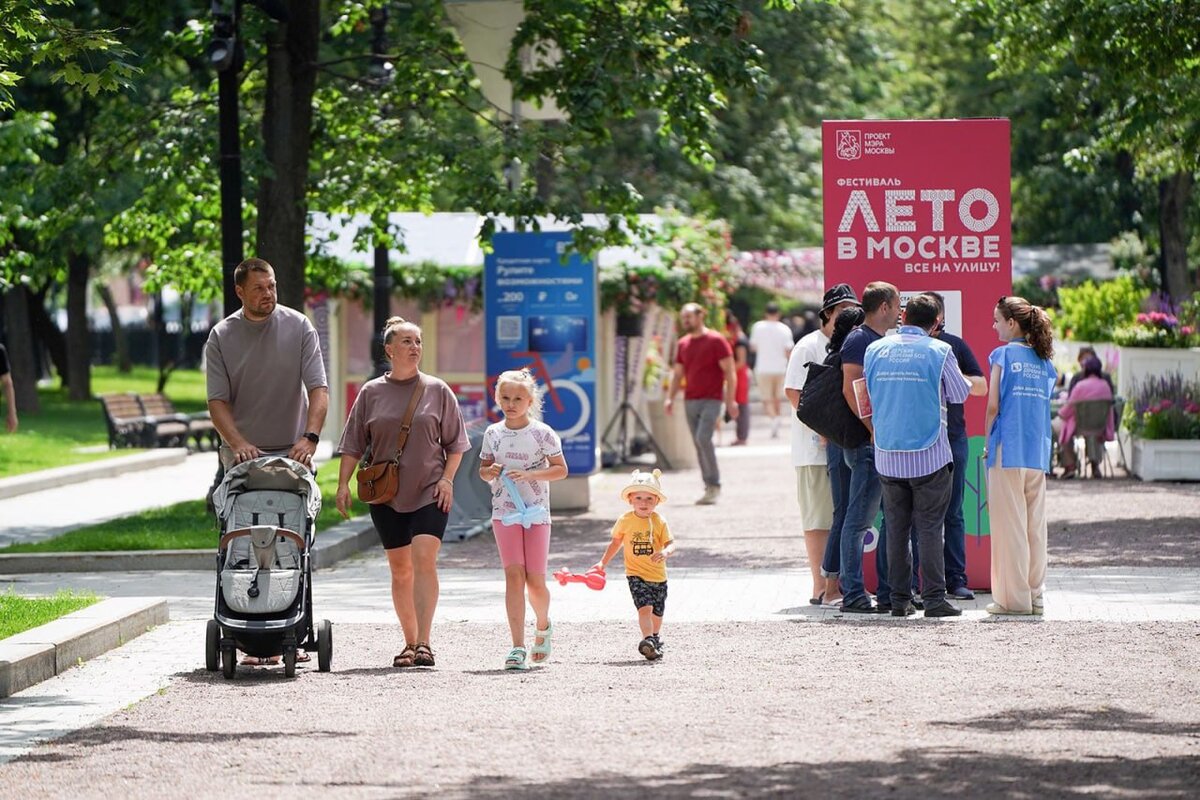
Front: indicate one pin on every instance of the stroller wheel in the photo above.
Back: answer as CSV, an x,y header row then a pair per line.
x,y
228,661
212,646
324,646
289,662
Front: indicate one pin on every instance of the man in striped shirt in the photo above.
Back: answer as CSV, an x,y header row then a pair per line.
x,y
910,377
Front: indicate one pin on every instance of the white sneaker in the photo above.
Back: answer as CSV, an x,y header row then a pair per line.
x,y
710,496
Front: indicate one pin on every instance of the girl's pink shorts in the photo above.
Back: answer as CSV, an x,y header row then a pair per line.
x,y
529,547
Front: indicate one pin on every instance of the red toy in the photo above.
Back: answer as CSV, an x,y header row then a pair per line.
x,y
593,578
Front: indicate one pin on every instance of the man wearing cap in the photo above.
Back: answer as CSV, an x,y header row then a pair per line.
x,y
813,489
771,342
704,366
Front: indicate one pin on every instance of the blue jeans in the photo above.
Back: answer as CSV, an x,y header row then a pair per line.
x,y
861,509
839,483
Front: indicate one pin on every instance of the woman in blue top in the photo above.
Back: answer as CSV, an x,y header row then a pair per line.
x,y
1018,454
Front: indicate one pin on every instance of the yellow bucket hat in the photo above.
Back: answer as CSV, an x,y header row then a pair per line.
x,y
644,482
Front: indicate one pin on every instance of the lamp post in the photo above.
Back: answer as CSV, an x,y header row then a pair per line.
x,y
381,72
227,57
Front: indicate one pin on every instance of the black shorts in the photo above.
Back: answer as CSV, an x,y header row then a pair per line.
x,y
647,593
396,529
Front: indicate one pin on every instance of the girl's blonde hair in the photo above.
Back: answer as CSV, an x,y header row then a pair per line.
x,y
394,324
523,378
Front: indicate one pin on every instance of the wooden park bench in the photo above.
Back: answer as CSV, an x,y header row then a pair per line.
x,y
198,427
152,421
125,419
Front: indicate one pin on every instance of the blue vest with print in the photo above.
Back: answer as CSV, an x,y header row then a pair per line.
x,y
1023,424
904,379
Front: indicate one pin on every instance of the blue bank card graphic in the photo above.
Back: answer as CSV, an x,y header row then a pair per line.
x,y
540,313
558,334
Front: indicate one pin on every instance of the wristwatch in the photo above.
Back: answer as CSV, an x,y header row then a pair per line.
x,y
312,437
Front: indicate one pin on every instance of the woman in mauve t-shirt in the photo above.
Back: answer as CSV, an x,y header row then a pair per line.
x,y
411,524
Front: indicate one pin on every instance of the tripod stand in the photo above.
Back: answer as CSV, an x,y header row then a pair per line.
x,y
620,419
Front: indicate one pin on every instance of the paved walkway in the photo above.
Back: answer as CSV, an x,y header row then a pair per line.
x,y
737,589
357,591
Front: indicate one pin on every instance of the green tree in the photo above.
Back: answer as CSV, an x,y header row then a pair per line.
x,y
1137,91
32,35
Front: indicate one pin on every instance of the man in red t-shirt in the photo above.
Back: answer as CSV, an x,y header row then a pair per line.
x,y
704,364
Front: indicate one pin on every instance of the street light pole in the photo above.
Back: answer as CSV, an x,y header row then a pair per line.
x,y
226,55
380,71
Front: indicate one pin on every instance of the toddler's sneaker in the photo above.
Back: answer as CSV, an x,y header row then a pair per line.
x,y
648,648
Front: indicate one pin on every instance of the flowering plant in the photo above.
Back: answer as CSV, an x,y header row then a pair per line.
x,y
630,290
1164,325
1164,407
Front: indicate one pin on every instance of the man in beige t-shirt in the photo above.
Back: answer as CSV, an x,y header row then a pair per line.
x,y
267,391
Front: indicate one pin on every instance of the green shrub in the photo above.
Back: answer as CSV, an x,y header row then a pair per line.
x,y
1091,311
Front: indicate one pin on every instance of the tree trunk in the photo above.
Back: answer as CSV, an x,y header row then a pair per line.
x,y
1129,198
79,343
20,349
120,341
287,140
1174,194
46,332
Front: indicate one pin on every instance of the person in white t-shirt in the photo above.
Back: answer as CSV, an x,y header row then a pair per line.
x,y
813,489
771,343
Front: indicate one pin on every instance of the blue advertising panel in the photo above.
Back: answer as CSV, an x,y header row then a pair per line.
x,y
540,313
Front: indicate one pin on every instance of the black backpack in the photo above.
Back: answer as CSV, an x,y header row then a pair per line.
x,y
823,406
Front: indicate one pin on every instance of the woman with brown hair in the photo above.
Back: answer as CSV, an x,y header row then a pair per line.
x,y
1018,454
411,524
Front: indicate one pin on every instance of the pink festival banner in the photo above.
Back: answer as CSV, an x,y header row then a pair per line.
x,y
926,205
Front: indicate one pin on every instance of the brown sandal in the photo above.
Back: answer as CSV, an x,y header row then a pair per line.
x,y
406,658
424,656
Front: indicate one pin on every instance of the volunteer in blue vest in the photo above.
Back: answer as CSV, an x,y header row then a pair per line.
x,y
1018,454
955,550
910,377
881,305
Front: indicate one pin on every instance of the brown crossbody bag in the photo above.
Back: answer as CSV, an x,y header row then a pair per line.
x,y
379,482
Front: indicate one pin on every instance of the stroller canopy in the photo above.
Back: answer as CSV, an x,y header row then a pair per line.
x,y
275,473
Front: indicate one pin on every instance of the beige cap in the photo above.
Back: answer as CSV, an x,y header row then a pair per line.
x,y
644,482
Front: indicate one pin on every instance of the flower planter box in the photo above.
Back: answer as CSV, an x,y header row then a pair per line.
x,y
1166,459
1135,364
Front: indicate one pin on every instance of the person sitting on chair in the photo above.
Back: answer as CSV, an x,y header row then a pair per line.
x,y
1092,386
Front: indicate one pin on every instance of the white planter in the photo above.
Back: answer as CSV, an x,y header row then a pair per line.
x,y
1166,459
1139,363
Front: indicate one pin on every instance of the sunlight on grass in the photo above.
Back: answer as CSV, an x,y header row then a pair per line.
x,y
54,437
183,526
19,614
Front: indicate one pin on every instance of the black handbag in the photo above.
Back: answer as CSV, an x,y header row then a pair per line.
x,y
823,406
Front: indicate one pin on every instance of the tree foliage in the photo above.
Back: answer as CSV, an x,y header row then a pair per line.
x,y
34,34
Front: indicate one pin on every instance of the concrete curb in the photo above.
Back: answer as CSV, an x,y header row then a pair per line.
x,y
92,470
339,542
41,653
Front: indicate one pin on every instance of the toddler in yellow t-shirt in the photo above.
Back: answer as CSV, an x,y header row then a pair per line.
x,y
647,543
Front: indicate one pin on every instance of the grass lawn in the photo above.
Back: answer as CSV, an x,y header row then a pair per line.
x,y
54,437
22,613
183,526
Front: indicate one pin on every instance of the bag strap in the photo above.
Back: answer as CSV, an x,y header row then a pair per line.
x,y
406,423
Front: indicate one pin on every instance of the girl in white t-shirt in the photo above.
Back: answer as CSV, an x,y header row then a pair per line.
x,y
528,453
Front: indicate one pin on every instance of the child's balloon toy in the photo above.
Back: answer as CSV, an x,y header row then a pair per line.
x,y
525,516
594,578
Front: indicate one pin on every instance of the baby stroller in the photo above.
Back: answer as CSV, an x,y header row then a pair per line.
x,y
268,509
